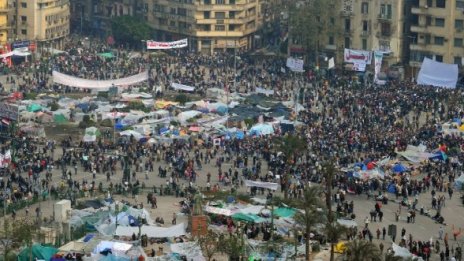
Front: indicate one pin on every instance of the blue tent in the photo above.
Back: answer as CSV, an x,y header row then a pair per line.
x,y
222,110
133,222
399,168
457,120
360,165
391,188
119,125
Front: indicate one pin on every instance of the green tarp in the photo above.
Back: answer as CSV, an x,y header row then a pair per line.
x,y
59,118
248,217
284,212
106,55
39,252
34,107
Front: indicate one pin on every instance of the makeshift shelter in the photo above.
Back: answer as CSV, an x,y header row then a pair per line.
x,y
261,129
459,183
59,119
399,168
91,134
285,212
38,252
153,231
34,107
252,218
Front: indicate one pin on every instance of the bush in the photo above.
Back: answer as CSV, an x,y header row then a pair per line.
x,y
30,96
54,106
106,123
181,98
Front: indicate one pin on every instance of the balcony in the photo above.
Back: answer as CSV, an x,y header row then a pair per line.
x,y
383,35
365,34
438,12
226,20
419,29
384,17
4,9
348,32
346,13
236,7
332,47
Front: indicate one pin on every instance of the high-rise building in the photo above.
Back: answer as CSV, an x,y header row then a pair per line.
x,y
4,26
437,31
372,26
43,21
210,25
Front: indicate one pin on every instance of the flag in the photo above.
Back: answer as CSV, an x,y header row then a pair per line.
x,y
6,122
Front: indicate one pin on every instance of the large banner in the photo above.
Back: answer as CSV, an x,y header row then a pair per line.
x,y
72,81
295,65
260,184
357,56
152,45
378,57
438,74
9,111
182,87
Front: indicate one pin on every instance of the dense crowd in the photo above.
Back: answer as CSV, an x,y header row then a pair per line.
x,y
344,123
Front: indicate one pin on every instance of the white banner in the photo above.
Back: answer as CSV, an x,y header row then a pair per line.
x,y
259,184
357,56
359,67
17,52
152,45
264,91
331,63
72,81
378,57
295,65
178,86
438,74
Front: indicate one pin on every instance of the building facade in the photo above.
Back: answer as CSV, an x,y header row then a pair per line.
x,y
93,17
210,25
4,26
437,31
43,21
372,25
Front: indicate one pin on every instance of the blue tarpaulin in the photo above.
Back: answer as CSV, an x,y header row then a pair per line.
x,y
399,168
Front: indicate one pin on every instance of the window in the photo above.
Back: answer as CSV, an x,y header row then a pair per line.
x,y
364,44
347,25
365,25
23,5
428,39
207,2
219,27
364,8
23,18
440,22
457,42
429,3
347,42
441,3
232,27
220,15
332,21
173,11
331,40
231,2
457,60
437,40
220,2
232,14
24,31
206,14
182,11
428,20
458,24
385,29
460,4
386,11
439,58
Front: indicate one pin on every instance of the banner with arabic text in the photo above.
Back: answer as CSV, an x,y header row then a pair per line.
x,y
153,45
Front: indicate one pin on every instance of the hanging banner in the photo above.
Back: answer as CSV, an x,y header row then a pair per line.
x,y
378,57
72,81
182,87
359,67
357,56
152,45
331,63
295,65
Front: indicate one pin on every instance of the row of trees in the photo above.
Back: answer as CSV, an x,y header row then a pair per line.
x,y
17,234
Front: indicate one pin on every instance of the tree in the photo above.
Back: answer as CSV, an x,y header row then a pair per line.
x,y
209,244
6,239
313,212
290,146
25,231
333,228
130,30
233,245
362,250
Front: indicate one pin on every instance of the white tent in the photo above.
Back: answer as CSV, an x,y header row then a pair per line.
x,y
129,133
186,115
153,231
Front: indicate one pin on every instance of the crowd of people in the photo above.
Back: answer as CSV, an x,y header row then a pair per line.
x,y
344,123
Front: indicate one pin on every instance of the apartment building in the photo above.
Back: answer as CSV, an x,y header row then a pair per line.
x,y
373,25
4,26
43,21
437,31
93,17
210,25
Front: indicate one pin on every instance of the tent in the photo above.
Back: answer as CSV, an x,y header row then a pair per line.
x,y
399,168
284,212
261,129
34,107
60,119
38,251
248,217
391,188
91,134
340,247
106,55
